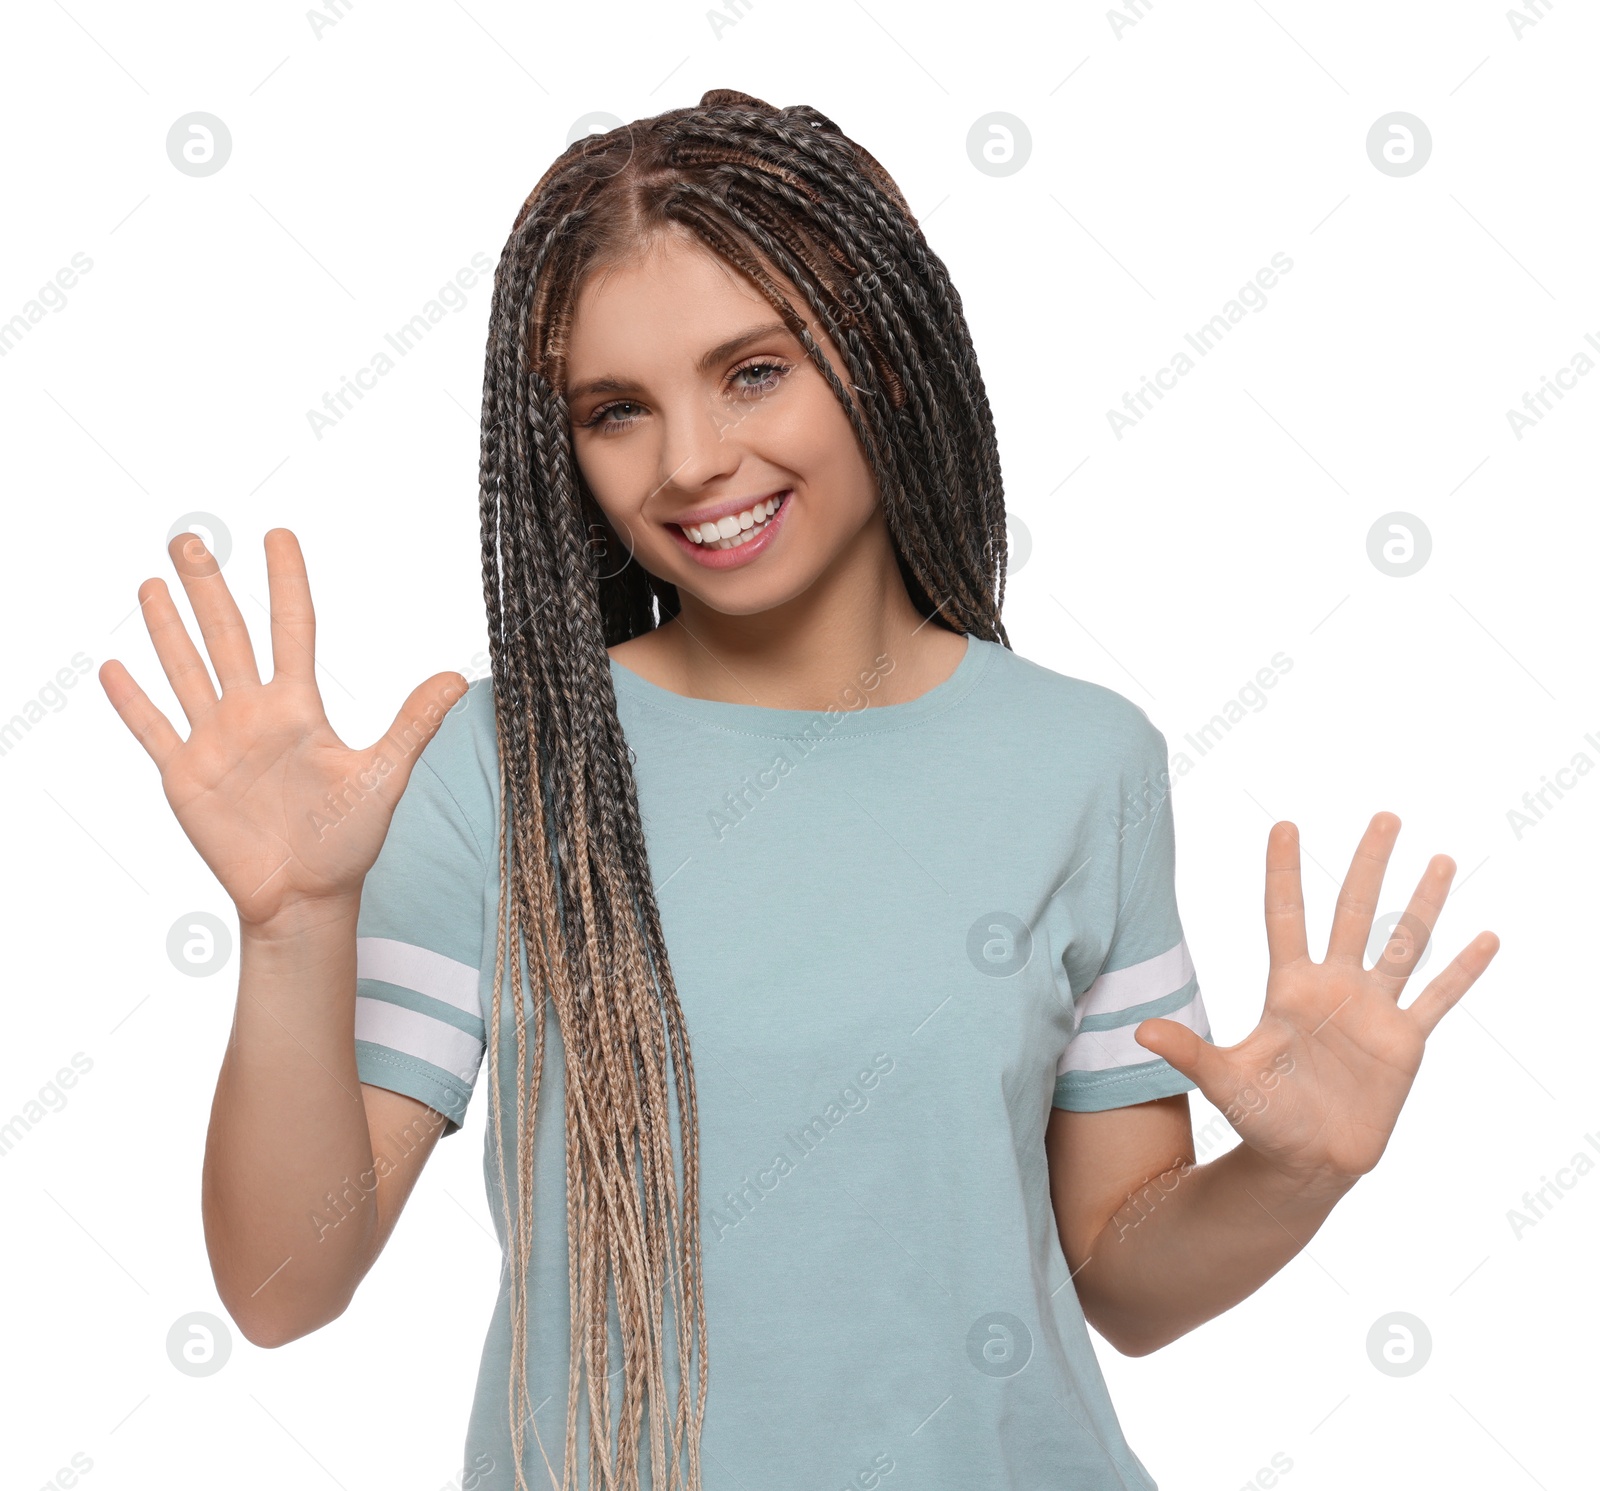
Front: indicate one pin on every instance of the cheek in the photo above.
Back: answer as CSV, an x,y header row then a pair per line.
x,y
610,467
593,459
812,437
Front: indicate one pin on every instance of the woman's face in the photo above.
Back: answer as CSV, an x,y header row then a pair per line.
x,y
690,402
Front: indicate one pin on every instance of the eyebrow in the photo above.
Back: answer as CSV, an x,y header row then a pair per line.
x,y
720,353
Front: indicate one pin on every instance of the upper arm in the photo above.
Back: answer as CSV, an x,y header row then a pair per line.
x,y
1145,971
403,1133
420,939
419,1029
1121,1115
1099,1160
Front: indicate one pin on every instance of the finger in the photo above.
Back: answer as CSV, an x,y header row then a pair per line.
x,y
150,727
1358,896
226,637
1436,1001
294,622
1285,901
180,660
1203,1063
418,721
1408,938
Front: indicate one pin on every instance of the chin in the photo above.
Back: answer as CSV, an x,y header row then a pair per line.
x,y
734,595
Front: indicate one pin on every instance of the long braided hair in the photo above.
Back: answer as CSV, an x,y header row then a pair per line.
x,y
761,187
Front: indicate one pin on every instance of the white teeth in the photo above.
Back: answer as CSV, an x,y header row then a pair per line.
x,y
732,531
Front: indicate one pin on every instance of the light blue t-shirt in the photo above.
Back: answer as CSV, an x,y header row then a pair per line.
x,y
900,933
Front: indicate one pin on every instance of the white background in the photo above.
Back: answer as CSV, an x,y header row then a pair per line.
x,y
1169,162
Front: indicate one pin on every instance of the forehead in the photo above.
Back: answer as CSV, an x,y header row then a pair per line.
x,y
663,305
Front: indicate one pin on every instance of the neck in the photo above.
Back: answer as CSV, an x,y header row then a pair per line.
x,y
851,632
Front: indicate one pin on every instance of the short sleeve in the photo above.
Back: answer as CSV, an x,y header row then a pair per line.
x,y
419,944
1147,971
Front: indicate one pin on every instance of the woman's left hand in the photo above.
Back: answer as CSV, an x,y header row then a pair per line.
x,y
1317,1086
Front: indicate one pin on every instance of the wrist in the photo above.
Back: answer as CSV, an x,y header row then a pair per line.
x,y
1279,1185
307,917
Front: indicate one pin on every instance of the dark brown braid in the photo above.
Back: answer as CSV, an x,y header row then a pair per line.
x,y
768,190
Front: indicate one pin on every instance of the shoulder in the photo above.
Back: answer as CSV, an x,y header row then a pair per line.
x,y
466,726
463,756
1057,709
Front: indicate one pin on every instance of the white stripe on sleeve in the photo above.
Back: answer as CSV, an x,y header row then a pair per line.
x,y
421,969
1138,983
419,1035
1100,1050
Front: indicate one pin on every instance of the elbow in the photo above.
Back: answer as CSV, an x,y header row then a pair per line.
x,y
292,1301
1130,1345
271,1326
269,1332
271,1329
1150,1339
1127,1337
266,1334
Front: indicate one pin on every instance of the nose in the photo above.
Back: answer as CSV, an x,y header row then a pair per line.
x,y
699,443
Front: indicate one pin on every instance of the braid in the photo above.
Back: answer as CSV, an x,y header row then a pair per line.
x,y
771,191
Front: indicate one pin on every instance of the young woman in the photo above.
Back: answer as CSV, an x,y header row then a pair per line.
x,y
756,779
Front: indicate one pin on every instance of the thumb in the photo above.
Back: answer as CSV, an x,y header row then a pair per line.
x,y
1185,1052
417,722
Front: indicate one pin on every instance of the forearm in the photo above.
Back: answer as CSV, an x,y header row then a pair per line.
x,y
1192,1243
288,1128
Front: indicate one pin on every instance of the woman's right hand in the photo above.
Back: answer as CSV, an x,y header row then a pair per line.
x,y
282,811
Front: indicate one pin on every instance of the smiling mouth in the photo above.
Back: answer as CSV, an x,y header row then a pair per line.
x,y
738,528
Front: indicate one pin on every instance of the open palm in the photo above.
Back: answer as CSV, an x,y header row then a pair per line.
x,y
280,809
1317,1086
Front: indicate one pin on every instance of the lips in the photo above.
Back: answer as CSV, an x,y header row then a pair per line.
x,y
761,535
737,527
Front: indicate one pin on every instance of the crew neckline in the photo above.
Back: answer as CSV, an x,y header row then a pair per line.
x,y
759,719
